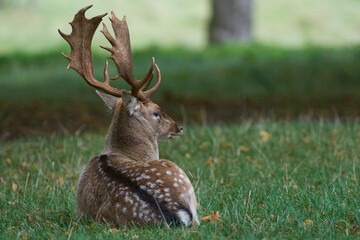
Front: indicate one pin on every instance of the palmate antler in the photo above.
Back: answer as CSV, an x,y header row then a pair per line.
x,y
80,59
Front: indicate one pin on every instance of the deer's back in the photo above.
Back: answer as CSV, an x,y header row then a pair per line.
x,y
120,191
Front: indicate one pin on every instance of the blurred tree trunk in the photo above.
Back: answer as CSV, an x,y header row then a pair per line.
x,y
231,21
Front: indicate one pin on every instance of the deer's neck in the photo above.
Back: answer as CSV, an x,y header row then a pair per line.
x,y
128,138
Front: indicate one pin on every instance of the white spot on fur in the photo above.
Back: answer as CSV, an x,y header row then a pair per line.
x,y
159,181
136,197
118,205
166,190
158,174
153,169
168,172
150,184
129,199
124,210
176,185
143,175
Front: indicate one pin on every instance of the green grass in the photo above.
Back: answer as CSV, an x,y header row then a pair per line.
x,y
31,25
301,182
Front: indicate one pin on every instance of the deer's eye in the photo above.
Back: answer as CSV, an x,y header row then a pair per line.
x,y
157,114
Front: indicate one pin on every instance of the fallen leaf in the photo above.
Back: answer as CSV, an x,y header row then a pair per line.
x,y
339,227
244,149
306,140
187,154
308,222
60,181
14,186
24,164
226,144
213,217
318,184
265,136
8,160
204,145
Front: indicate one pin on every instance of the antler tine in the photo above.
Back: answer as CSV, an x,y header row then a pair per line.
x,y
80,59
149,76
147,84
148,93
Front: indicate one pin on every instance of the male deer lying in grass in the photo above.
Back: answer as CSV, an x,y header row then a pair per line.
x,y
128,183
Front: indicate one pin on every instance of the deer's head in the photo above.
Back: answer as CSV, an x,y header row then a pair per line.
x,y
135,107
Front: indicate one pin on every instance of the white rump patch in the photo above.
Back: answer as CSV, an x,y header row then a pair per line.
x,y
184,217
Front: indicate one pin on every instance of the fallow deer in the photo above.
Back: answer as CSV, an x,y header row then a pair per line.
x,y
128,183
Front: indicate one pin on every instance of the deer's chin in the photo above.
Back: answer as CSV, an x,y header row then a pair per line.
x,y
175,135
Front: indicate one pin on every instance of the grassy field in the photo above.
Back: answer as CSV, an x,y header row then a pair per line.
x,y
31,25
292,180
268,178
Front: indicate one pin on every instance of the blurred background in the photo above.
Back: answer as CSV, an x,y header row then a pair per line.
x,y
222,61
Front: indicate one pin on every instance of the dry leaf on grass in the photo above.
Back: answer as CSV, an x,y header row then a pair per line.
x,y
308,223
244,149
14,186
264,136
213,217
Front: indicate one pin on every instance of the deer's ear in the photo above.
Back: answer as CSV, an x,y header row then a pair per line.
x,y
130,102
108,99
